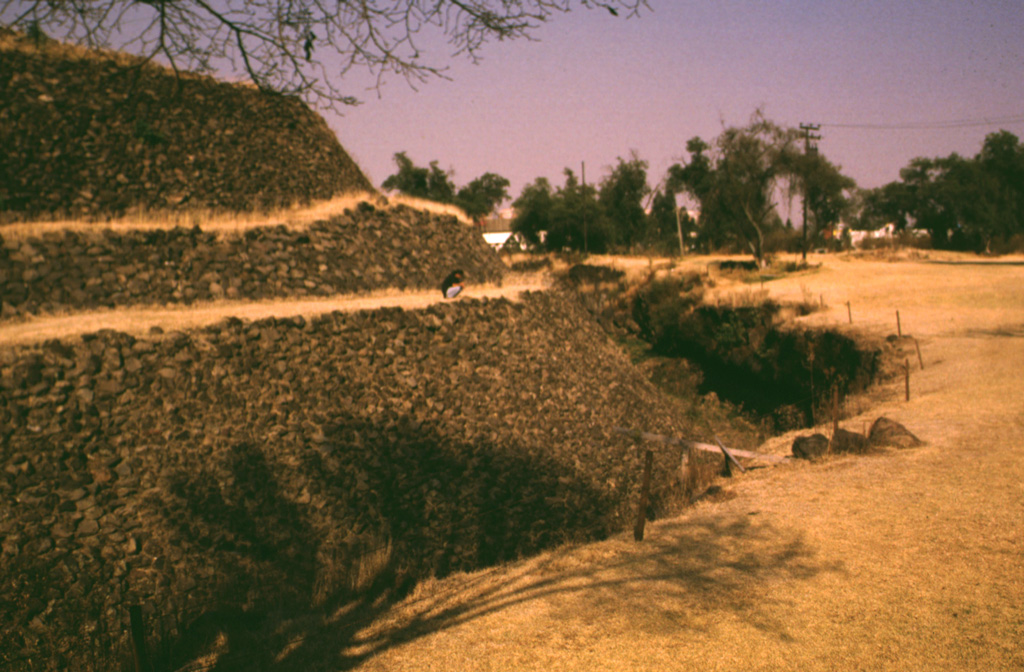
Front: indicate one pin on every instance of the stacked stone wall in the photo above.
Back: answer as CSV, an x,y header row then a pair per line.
x,y
94,134
253,467
362,250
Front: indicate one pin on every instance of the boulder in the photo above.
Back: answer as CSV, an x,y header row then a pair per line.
x,y
886,432
810,447
845,441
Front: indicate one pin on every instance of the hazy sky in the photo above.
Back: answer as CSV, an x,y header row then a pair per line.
x,y
888,80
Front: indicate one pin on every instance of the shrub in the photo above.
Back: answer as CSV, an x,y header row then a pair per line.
x,y
1012,245
658,305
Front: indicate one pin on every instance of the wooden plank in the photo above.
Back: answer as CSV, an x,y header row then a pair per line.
x,y
728,456
709,447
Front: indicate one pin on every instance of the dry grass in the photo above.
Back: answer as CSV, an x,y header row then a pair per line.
x,y
67,51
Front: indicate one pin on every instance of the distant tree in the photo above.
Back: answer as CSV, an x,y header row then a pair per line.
x,y
621,196
999,212
480,197
827,191
302,47
883,205
440,188
569,217
662,222
696,179
432,183
577,220
736,181
927,205
964,203
533,210
410,179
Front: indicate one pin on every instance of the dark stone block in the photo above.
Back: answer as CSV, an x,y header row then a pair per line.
x,y
810,447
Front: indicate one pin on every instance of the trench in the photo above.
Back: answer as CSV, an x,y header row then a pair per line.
x,y
775,372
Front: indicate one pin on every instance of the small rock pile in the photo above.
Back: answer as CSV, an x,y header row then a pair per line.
x,y
884,432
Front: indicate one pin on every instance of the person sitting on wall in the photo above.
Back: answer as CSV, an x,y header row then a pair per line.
x,y
452,284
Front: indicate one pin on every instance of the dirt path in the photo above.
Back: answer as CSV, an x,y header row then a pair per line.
x,y
910,560
139,320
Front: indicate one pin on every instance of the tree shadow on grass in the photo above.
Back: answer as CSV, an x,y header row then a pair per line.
x,y
297,565
280,547
681,579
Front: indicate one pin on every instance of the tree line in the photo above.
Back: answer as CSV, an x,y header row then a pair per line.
x,y
736,183
974,203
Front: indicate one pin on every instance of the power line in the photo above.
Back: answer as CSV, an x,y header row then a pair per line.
x,y
934,125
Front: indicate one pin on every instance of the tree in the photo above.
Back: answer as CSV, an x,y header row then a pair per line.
x,y
666,225
480,197
735,183
303,47
577,219
533,210
696,179
569,217
477,199
430,183
1000,214
885,204
621,197
963,203
827,192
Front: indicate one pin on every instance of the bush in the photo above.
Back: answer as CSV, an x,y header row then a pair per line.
x,y
783,240
587,274
1012,245
659,305
531,265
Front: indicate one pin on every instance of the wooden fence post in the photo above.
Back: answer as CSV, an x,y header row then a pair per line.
x,y
906,368
138,632
849,312
899,328
835,409
645,489
811,357
920,360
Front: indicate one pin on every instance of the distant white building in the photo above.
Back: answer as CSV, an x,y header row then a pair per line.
x,y
857,238
497,240
504,239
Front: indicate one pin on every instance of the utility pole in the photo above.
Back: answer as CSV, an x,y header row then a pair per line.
x,y
583,193
679,230
808,150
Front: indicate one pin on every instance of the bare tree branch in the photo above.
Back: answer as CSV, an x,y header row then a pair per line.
x,y
301,47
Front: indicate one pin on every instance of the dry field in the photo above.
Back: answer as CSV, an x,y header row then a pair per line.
x,y
908,560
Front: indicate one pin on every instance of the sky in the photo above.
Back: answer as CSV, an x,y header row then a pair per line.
x,y
887,80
